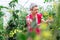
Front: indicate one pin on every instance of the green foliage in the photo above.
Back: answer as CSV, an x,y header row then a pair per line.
x,y
1,23
55,25
22,20
1,13
48,1
3,7
56,22
18,21
21,36
15,0
12,3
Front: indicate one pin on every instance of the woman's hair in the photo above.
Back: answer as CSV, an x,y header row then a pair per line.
x,y
32,6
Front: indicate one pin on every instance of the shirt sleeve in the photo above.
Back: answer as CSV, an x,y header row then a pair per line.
x,y
28,22
41,15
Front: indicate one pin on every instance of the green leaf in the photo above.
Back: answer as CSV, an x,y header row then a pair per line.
x,y
1,14
1,23
3,7
15,1
12,4
21,36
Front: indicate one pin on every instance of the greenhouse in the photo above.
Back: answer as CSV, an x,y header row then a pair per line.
x,y
29,20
